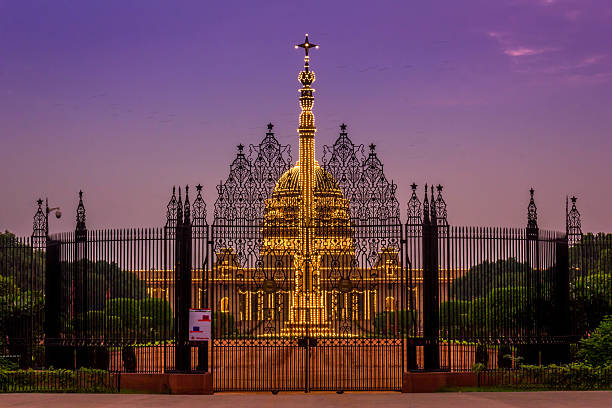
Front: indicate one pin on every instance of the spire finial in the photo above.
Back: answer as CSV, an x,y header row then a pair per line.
x,y
306,45
532,211
343,128
270,127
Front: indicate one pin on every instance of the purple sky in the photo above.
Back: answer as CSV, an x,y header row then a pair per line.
x,y
126,98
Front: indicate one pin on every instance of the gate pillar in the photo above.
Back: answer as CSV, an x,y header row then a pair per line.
x,y
560,352
52,305
81,300
182,285
431,304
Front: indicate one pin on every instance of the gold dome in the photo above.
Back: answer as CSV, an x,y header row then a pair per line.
x,y
331,208
325,184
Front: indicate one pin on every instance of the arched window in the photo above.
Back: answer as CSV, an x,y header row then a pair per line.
x,y
224,305
390,304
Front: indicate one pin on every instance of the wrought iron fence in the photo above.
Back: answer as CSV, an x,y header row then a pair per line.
x,y
368,299
393,297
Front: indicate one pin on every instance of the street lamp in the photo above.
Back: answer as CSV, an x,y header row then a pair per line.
x,y
55,210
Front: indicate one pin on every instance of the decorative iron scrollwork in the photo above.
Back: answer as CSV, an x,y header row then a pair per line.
x,y
532,212
171,210
573,222
39,232
199,209
80,215
415,215
241,197
441,212
362,181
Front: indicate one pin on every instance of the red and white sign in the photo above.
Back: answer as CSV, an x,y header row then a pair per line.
x,y
199,324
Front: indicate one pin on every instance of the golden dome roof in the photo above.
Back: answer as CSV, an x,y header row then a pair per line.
x,y
288,184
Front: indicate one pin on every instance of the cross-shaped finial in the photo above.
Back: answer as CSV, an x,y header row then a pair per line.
x,y
240,147
306,45
270,126
39,201
343,128
531,191
372,147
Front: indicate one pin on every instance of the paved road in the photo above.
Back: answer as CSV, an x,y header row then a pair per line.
x,y
590,399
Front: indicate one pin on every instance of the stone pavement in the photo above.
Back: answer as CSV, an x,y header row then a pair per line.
x,y
587,399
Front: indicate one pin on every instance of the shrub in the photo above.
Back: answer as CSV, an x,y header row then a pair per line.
x,y
482,355
597,349
394,323
83,380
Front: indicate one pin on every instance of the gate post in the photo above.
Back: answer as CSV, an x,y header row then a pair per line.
x,y
52,305
430,285
561,325
531,350
81,285
182,285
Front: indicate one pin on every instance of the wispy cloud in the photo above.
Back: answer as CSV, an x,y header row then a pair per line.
x,y
523,51
511,47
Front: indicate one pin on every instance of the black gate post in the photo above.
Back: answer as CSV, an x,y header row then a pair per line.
x,y
430,286
52,305
182,282
81,287
530,351
560,353
200,232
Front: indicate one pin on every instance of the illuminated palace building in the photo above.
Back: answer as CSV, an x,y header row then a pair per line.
x,y
308,250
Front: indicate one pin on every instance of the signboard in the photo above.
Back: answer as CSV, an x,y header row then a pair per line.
x,y
199,324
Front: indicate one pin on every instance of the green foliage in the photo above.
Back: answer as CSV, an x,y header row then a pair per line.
x,y
225,324
597,349
502,311
24,264
149,319
504,356
394,323
106,281
482,355
574,376
159,313
592,254
20,311
591,299
127,310
591,280
82,380
454,317
486,276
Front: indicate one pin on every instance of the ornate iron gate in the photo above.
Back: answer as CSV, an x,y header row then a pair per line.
x,y
285,319
351,339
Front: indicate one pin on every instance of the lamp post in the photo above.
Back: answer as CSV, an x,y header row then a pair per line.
x,y
55,210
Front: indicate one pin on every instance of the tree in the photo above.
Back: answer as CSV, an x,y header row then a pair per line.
x,y
503,312
159,315
454,317
482,278
590,300
21,262
20,318
597,349
591,281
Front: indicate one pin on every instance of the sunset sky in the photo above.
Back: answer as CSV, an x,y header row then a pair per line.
x,y
125,99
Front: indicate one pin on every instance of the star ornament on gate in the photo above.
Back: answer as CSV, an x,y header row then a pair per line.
x,y
306,45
